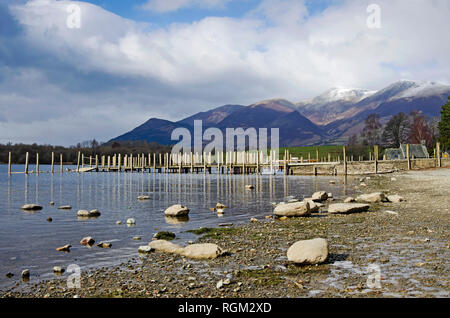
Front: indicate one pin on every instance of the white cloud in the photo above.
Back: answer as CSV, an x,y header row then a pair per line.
x,y
277,50
162,6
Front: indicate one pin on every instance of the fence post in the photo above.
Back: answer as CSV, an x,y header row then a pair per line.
x,y
408,157
438,153
345,160
375,152
61,163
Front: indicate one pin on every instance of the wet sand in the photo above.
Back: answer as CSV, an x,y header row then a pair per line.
x,y
409,247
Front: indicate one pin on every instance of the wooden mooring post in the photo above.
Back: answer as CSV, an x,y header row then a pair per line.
x,y
78,162
26,162
37,163
345,160
53,163
375,152
9,163
61,163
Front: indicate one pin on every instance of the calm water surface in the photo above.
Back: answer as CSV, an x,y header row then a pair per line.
x,y
27,240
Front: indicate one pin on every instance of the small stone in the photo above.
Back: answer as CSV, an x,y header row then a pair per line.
x,y
253,220
49,219
31,207
349,200
118,222
104,245
249,187
319,196
371,198
131,221
58,269
219,284
9,275
64,207
87,241
332,182
136,238
346,208
220,206
26,273
293,209
395,198
143,197
144,249
52,203
164,235
65,248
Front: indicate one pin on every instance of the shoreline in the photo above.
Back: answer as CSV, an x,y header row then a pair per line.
x,y
411,248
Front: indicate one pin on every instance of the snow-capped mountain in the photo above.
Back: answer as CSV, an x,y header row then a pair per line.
x,y
334,104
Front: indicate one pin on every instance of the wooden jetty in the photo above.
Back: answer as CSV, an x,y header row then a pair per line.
x,y
230,162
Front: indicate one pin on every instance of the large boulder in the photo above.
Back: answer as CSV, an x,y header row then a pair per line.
x,y
372,197
313,251
319,196
165,246
176,210
395,198
346,208
292,209
202,251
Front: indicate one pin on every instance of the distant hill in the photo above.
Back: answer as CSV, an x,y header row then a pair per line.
x,y
328,118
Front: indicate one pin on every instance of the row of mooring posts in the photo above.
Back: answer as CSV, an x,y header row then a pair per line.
x,y
230,162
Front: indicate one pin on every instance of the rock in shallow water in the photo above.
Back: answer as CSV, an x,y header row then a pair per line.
x,y
31,207
176,210
313,251
345,208
395,198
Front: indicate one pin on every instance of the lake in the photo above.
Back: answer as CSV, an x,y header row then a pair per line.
x,y
28,241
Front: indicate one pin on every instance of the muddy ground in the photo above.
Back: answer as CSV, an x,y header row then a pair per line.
x,y
408,247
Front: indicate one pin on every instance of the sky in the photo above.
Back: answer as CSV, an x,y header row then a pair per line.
x,y
62,82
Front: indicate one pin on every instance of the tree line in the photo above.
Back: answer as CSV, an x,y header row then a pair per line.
x,y
70,154
412,128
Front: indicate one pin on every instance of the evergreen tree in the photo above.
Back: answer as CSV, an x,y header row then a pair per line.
x,y
444,126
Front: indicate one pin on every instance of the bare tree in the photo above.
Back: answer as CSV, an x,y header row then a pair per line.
x,y
396,131
372,130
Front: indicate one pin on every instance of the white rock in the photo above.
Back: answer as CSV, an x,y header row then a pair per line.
x,y
176,210
58,269
144,249
313,251
165,246
31,207
319,196
395,198
293,209
349,200
143,197
313,206
202,251
249,187
372,197
346,208
131,221
65,207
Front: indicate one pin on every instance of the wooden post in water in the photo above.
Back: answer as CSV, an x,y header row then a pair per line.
x,y
438,153
90,161
96,162
61,163
345,160
408,157
317,154
37,163
26,162
53,162
78,161
82,160
9,163
285,163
